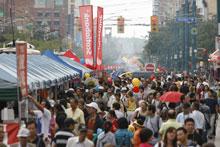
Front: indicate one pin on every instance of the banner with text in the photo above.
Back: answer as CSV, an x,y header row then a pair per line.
x,y
86,18
21,51
99,29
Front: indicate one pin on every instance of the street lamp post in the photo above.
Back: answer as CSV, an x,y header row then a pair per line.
x,y
186,38
194,45
218,10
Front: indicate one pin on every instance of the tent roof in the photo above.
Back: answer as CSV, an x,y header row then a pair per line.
x,y
76,64
51,55
42,71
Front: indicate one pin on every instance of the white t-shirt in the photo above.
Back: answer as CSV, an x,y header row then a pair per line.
x,y
181,117
199,119
74,142
119,114
45,120
110,101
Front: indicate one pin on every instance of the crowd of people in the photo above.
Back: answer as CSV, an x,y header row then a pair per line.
x,y
113,114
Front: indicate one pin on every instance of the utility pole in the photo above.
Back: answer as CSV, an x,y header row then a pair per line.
x,y
218,10
186,38
194,33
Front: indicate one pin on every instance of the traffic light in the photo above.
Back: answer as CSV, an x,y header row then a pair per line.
x,y
154,24
121,24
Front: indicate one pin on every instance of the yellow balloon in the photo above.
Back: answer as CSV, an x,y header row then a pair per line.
x,y
136,82
87,75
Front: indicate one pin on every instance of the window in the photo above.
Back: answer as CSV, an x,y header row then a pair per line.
x,y
39,14
56,14
47,14
56,23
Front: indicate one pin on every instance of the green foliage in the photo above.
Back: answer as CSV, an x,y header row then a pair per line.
x,y
206,35
170,37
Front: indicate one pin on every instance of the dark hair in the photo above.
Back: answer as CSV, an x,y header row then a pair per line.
x,y
152,108
47,103
196,105
61,116
112,113
171,114
130,93
145,135
107,126
32,121
118,94
189,120
182,129
169,130
186,105
122,123
68,122
116,106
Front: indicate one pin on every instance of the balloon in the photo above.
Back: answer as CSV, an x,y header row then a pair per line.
x,y
87,75
135,89
109,79
136,82
82,61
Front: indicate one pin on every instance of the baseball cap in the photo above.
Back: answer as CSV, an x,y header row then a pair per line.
x,y
82,128
23,132
94,105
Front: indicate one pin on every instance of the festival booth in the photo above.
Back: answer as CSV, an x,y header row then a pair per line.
x,y
215,60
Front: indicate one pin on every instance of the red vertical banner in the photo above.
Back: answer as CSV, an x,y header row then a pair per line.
x,y
86,19
21,51
99,28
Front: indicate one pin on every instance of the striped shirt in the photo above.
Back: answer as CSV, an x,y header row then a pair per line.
x,y
61,138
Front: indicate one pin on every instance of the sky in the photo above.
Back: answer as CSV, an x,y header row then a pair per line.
x,y
134,12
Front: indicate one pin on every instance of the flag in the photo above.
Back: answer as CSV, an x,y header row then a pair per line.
x,y
10,133
71,55
99,28
86,19
21,52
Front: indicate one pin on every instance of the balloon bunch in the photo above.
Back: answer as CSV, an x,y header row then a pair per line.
x,y
136,83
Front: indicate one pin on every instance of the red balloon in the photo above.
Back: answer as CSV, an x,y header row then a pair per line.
x,y
109,79
136,89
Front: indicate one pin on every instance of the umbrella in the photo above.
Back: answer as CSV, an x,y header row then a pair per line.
x,y
171,96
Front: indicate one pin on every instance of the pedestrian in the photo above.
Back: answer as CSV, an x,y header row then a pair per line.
x,y
193,134
23,135
75,112
106,137
93,122
171,122
181,117
145,137
169,140
138,125
153,122
44,114
61,137
182,138
33,137
81,140
122,135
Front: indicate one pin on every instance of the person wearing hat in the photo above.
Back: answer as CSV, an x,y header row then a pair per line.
x,y
138,125
81,140
93,121
23,135
61,137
